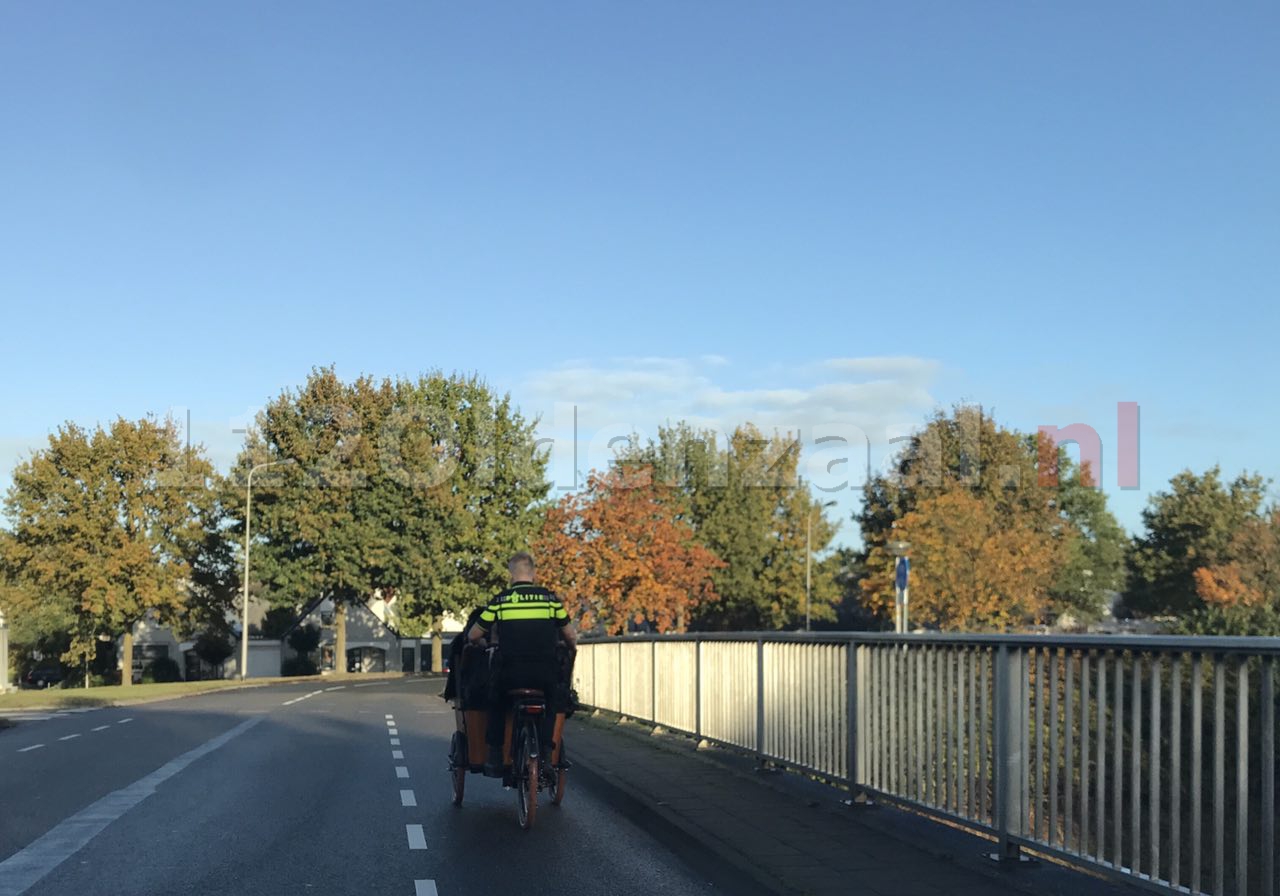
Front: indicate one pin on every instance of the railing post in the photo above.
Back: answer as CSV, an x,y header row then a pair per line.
x,y
760,760
653,679
697,688
1010,764
853,724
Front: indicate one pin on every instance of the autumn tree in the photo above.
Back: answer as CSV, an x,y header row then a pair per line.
x,y
972,568
622,554
1020,492
110,525
418,489
1199,523
748,506
1241,592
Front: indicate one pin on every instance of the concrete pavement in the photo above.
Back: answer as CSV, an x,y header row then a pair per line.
x,y
796,836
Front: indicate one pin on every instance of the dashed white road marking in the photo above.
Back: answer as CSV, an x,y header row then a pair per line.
x,y
402,772
407,798
300,699
367,684
30,748
124,721
390,716
102,728
69,737
23,869
393,731
424,888
338,688
395,741
417,838
397,754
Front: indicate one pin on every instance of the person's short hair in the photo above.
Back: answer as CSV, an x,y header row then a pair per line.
x,y
520,562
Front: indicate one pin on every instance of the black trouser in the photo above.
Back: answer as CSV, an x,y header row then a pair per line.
x,y
522,674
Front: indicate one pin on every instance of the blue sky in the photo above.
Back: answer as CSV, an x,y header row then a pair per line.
x,y
836,215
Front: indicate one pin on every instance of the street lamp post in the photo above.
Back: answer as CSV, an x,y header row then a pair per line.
x,y
900,570
808,557
244,617
4,654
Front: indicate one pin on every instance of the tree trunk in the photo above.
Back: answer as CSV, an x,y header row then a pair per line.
x,y
126,658
340,637
437,652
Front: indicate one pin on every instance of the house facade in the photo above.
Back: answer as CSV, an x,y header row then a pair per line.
x,y
373,644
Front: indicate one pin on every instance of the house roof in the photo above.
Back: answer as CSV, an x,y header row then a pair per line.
x,y
316,602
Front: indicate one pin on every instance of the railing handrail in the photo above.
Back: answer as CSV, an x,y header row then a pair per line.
x,y
1202,644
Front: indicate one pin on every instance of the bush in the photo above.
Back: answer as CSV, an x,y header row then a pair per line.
x,y
214,648
305,639
161,669
298,665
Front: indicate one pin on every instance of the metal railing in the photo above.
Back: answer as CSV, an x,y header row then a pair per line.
x,y
1150,758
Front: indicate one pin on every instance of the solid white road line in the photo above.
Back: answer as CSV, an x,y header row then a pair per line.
x,y
69,737
407,798
401,771
417,839
300,699
23,869
30,748
397,754
368,684
424,888
102,728
395,741
124,721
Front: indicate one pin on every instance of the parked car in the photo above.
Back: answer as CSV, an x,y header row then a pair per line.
x,y
42,678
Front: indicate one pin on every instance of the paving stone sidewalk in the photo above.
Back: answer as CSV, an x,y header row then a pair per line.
x,y
795,836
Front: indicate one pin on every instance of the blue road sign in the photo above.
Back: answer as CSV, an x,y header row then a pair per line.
x,y
901,572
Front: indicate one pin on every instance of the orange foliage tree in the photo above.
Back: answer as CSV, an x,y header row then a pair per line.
x,y
1251,577
972,567
623,552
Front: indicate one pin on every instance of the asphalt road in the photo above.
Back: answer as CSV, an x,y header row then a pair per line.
x,y
297,789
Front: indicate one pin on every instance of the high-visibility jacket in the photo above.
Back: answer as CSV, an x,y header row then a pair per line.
x,y
528,619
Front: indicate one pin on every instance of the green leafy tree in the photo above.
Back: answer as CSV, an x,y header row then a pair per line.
x,y
1091,570
109,525
277,621
1190,527
747,505
415,489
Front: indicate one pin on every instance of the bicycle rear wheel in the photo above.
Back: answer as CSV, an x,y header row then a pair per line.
x,y
457,766
526,771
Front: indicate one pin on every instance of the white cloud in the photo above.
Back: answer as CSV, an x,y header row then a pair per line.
x,y
861,401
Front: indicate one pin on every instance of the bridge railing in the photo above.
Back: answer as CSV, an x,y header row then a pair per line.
x,y
1152,759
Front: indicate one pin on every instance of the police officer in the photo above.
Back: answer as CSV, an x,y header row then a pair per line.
x,y
526,621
